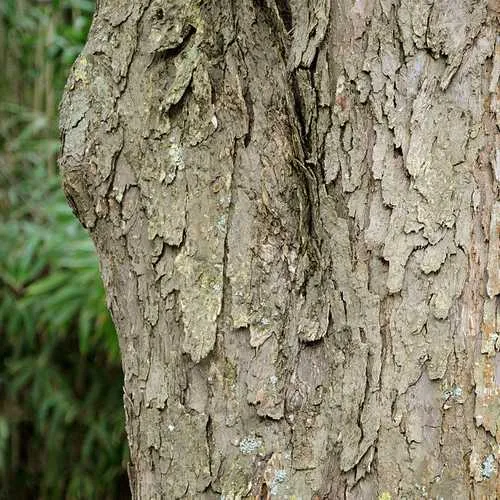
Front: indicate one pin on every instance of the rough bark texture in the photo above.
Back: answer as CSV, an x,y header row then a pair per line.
x,y
296,211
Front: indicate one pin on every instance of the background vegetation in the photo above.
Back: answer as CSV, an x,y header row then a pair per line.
x,y
61,417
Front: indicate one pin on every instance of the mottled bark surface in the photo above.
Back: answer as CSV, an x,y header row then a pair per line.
x,y
296,211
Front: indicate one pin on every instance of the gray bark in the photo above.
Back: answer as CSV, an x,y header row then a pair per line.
x,y
295,206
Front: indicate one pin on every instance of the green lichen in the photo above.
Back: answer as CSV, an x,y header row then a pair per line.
x,y
80,70
183,76
237,484
230,373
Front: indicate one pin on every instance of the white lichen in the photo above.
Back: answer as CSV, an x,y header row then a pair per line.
x,y
279,477
454,394
176,156
250,445
488,466
221,224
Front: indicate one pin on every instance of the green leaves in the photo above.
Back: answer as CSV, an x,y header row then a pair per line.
x,y
61,411
57,338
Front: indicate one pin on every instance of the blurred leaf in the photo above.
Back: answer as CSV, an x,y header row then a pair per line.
x,y
61,418
48,284
4,442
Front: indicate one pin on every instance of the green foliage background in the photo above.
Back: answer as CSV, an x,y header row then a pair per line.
x,y
61,416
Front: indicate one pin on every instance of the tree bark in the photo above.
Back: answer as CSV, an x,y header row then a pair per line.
x,y
295,207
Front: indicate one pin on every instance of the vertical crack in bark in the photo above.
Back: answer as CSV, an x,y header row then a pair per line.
x,y
210,445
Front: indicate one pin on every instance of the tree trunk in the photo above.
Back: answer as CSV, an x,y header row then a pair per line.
x,y
296,212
